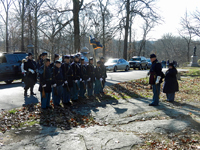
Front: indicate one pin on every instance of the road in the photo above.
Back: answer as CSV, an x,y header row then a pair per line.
x,y
11,96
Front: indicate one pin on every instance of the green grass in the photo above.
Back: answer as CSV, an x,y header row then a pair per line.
x,y
192,71
12,111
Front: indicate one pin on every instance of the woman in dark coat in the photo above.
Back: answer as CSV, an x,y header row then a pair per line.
x,y
171,83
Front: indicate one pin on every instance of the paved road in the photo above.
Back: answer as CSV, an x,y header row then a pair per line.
x,y
11,96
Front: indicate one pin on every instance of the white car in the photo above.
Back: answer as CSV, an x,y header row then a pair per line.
x,y
117,64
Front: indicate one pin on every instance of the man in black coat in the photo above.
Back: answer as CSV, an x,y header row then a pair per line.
x,y
45,75
98,79
31,76
56,57
68,80
91,77
155,79
104,74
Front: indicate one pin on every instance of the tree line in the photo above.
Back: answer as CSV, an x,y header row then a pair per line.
x,y
64,27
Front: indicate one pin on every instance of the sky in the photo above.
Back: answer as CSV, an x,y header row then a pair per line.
x,y
172,11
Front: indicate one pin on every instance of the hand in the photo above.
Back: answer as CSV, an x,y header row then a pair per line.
x,y
76,81
101,79
80,79
148,73
83,81
158,79
44,85
66,82
54,85
63,84
89,79
95,78
31,70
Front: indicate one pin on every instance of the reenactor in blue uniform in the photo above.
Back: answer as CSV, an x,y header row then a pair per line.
x,y
71,59
45,75
76,78
155,79
31,75
56,57
41,62
83,78
91,78
68,80
104,74
98,79
57,83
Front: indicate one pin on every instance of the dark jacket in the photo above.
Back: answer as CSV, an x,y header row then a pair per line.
x,y
45,75
76,71
171,83
83,74
156,70
30,64
67,74
98,73
57,76
91,72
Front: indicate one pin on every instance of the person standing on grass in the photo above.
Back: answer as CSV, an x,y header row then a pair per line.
x,y
155,79
171,84
98,79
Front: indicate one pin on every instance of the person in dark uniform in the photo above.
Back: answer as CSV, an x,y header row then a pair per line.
x,y
56,57
71,59
83,78
57,83
41,62
91,77
68,80
155,79
76,78
31,76
45,75
171,84
104,74
98,79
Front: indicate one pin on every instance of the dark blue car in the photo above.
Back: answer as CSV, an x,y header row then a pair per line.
x,y
10,66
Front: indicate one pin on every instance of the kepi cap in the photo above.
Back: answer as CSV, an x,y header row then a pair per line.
x,y
152,56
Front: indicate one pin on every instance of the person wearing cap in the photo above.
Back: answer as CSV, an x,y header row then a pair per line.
x,y
56,57
83,78
98,79
170,84
155,79
90,78
68,80
45,76
41,62
71,59
76,78
57,83
31,76
104,74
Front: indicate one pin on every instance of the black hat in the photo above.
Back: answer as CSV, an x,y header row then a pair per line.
x,y
152,56
171,64
56,55
67,57
29,54
82,58
44,53
98,62
72,57
47,59
57,61
101,58
76,56
91,58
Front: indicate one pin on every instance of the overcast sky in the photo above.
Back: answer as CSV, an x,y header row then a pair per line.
x,y
172,11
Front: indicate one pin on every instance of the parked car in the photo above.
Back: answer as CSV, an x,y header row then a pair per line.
x,y
10,66
117,64
139,62
149,63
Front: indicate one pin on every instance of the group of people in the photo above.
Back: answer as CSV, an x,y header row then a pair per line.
x,y
66,80
170,85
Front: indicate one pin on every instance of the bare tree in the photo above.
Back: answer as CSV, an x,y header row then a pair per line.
x,y
6,6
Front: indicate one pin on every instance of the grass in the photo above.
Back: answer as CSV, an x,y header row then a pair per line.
x,y
192,71
12,111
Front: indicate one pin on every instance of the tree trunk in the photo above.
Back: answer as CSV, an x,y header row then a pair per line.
x,y
7,29
22,31
76,8
36,32
126,29
104,48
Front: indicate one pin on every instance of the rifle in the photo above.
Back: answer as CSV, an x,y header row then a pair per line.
x,y
66,72
43,91
54,76
75,82
83,80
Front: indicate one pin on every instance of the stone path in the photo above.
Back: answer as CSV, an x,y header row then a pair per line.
x,y
120,123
